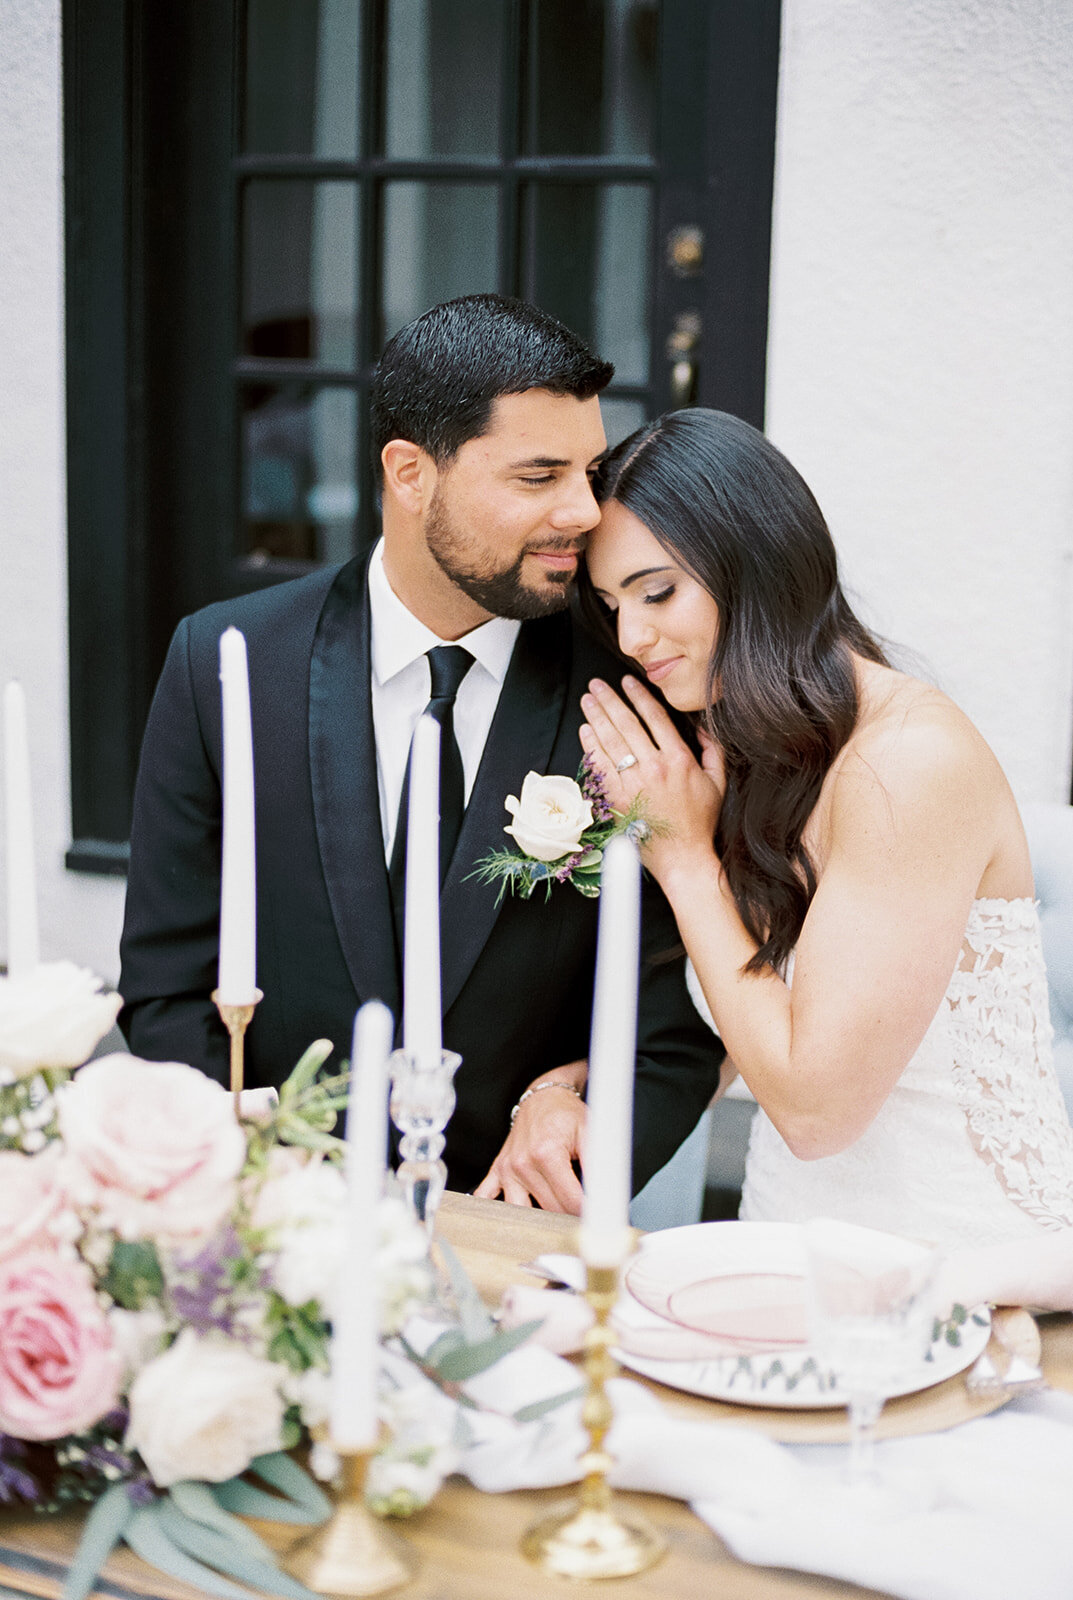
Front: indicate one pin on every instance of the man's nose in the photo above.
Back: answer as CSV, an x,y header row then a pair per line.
x,y
577,509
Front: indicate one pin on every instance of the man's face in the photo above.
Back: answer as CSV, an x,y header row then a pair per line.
x,y
510,512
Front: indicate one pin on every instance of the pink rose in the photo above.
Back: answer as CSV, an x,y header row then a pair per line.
x,y
30,1198
59,1371
152,1147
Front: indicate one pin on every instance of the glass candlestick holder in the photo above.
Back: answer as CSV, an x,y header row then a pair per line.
x,y
422,1100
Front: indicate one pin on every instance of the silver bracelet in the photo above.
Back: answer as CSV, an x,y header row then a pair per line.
x,y
535,1088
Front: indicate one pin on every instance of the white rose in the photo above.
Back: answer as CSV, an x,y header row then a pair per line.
x,y
138,1335
550,817
53,1016
398,1488
302,1210
204,1409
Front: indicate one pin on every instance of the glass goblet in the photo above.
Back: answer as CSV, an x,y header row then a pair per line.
x,y
871,1316
422,1100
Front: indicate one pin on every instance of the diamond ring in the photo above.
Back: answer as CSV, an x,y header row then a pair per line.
x,y
627,761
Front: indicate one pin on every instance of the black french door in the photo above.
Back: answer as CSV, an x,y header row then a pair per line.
x,y
288,182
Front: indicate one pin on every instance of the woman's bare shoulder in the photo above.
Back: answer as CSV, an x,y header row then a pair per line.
x,y
914,759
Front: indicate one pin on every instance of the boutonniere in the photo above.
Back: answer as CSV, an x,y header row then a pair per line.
x,y
560,827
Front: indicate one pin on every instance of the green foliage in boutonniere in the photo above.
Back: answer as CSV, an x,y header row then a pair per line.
x,y
561,827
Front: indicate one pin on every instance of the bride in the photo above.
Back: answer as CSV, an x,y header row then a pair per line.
x,y
845,859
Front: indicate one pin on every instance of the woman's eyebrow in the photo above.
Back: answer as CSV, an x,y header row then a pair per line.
x,y
645,572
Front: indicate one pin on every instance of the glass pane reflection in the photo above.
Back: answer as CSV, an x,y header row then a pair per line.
x,y
592,77
299,271
443,77
590,249
621,417
299,480
439,241
303,76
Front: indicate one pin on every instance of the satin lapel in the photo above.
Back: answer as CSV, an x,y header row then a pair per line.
x,y
346,803
520,740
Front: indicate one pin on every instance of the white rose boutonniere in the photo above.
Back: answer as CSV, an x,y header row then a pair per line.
x,y
550,818
561,827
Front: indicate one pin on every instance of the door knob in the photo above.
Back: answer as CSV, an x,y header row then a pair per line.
x,y
682,345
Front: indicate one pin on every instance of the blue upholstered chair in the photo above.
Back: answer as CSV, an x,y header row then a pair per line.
x,y
1049,826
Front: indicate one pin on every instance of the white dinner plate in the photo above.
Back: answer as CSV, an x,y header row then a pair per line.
x,y
742,1285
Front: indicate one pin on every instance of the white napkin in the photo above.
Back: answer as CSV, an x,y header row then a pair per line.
x,y
998,1524
997,1521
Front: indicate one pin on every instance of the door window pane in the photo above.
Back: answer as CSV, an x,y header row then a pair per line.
x,y
299,271
442,77
621,418
589,249
303,71
591,77
299,479
439,241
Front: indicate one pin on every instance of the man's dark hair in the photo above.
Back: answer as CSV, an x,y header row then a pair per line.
x,y
438,377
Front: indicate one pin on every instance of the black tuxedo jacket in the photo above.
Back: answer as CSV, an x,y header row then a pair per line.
x,y
517,981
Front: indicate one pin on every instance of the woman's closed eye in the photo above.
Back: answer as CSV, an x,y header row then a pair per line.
x,y
659,595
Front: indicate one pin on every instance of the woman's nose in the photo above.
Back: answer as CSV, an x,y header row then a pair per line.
x,y
636,633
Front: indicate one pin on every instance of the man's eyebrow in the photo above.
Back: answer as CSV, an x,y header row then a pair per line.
x,y
551,461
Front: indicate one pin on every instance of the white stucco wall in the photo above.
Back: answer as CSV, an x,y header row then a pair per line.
x,y
921,348
79,916
921,367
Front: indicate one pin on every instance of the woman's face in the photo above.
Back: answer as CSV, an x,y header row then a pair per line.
x,y
666,620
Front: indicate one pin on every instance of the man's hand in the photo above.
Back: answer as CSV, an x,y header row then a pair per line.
x,y
536,1161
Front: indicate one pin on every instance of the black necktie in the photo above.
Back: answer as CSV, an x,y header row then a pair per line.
x,y
449,664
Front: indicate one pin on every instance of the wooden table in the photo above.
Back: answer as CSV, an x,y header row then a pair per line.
x,y
467,1542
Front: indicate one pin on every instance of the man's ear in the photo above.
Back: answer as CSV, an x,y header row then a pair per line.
x,y
410,475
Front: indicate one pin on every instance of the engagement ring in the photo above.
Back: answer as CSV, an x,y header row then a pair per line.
x,y
627,761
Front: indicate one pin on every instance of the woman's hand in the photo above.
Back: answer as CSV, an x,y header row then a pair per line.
x,y
637,751
536,1162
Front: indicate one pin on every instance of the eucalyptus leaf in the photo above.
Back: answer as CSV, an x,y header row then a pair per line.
x,y
104,1529
220,1553
476,1322
147,1537
591,859
248,1501
451,1339
540,1408
196,1500
282,1472
457,1366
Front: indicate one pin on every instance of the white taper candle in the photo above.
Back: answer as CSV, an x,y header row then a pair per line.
x,y
607,1152
237,981
355,1325
23,953
421,1021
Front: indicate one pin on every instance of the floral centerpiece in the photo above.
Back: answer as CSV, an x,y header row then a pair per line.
x,y
167,1277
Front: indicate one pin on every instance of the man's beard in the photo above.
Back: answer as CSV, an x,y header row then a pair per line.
x,y
501,591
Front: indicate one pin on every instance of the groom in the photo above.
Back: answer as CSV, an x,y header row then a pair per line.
x,y
486,429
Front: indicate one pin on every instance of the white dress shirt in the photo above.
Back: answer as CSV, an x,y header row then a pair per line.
x,y
402,684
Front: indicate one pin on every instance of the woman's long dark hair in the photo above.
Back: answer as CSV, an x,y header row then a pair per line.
x,y
782,697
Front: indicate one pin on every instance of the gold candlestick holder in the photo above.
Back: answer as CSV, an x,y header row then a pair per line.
x,y
589,1538
352,1553
236,1019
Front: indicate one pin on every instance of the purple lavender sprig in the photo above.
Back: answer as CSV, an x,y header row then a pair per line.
x,y
591,785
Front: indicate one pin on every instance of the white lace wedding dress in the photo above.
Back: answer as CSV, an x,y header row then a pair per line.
x,y
973,1145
